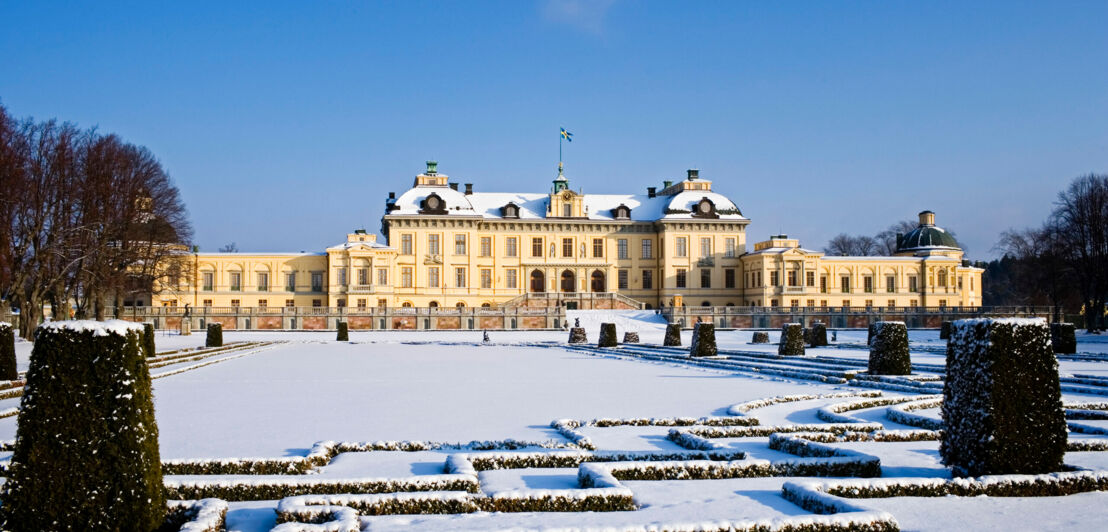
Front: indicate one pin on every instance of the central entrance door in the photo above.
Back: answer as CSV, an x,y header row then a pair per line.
x,y
568,282
538,282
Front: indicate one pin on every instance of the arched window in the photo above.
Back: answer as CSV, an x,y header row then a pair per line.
x,y
598,284
486,305
406,304
538,281
433,304
705,303
568,281
460,305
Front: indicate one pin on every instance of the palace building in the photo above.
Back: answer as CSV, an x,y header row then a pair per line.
x,y
679,244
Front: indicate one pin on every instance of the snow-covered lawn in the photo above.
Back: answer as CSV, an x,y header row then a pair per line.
x,y
446,387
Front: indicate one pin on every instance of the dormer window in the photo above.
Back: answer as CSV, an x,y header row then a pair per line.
x,y
432,204
511,210
705,209
622,212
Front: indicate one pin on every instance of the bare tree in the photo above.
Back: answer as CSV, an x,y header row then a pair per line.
x,y
854,246
229,248
1081,216
886,240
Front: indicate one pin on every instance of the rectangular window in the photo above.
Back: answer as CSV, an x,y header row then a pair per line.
x,y
729,278
913,284
486,278
567,247
536,247
433,245
382,276
867,285
792,277
317,302
290,282
597,248
810,279
406,277
433,277
811,303
567,210
681,277
773,302
363,276
486,246
207,302
622,276
890,283
681,249
869,303
209,281
773,279
236,281
263,303
648,279
460,277
511,279
794,303
459,244
705,278
382,303
823,285
823,303
729,247
363,303
290,303
913,303
647,248
892,303
621,248
263,282
511,246
845,284
235,303
342,276
705,247
406,244
846,303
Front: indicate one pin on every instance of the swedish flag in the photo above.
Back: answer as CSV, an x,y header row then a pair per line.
x,y
567,135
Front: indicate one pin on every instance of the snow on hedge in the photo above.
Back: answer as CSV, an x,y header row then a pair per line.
x,y
205,515
98,328
834,413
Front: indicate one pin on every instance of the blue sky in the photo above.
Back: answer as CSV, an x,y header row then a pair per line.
x,y
286,124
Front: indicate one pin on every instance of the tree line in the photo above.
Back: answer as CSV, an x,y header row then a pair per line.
x,y
86,220
881,244
1064,261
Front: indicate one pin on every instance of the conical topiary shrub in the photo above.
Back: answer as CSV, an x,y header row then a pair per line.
x,y
888,352
806,333
760,337
608,335
8,369
215,335
148,348
703,340
1002,400
869,334
818,335
673,335
944,331
792,340
344,332
1063,337
630,337
86,450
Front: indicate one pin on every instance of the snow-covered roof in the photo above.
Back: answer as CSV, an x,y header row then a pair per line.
x,y
353,245
257,253
533,206
779,250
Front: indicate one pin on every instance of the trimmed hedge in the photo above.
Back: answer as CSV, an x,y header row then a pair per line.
x,y
944,331
819,335
1002,403
148,348
703,340
607,335
215,335
869,333
760,338
343,333
577,335
807,336
673,335
8,369
888,351
86,452
277,488
792,340
1064,338
630,337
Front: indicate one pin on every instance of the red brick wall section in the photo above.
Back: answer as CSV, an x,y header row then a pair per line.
x,y
742,322
532,322
491,322
173,324
858,322
228,322
360,322
269,322
314,323
934,322
776,322
407,322
449,322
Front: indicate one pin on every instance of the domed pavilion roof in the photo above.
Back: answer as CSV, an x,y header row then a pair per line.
x,y
926,237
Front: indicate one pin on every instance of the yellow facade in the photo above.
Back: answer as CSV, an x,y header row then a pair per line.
x,y
682,244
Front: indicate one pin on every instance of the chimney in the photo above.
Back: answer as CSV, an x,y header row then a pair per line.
x,y
453,186
666,184
392,195
927,218
693,174
469,189
651,192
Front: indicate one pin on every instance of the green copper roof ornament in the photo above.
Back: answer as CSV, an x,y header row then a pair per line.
x,y
432,167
